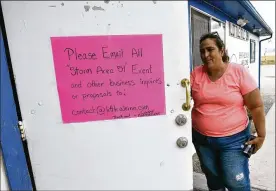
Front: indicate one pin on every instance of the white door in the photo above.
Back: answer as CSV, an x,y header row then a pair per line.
x,y
83,132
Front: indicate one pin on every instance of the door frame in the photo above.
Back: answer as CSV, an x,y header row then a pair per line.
x,y
15,160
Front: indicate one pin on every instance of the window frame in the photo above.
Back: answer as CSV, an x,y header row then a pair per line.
x,y
252,51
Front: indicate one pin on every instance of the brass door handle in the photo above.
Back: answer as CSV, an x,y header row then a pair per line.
x,y
185,84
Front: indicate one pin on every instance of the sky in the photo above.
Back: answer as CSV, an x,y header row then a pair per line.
x,y
267,10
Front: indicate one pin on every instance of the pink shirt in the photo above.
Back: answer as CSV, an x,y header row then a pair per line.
x,y
219,106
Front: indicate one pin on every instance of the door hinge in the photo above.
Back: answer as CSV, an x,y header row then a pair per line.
x,y
22,130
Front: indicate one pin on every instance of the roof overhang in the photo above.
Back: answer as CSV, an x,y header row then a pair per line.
x,y
243,9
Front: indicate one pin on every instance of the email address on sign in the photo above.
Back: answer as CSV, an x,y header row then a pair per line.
x,y
100,110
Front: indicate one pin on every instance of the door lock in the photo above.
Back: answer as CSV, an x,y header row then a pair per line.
x,y
181,120
182,142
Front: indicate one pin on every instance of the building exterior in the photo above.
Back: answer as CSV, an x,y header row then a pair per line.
x,y
58,56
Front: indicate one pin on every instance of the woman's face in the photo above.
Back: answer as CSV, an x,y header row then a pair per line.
x,y
210,54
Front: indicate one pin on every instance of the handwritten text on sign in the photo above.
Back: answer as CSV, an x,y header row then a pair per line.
x,y
109,77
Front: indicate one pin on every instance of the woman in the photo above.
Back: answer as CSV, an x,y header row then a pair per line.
x,y
221,91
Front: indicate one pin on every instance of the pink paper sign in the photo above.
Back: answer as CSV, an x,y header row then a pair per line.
x,y
109,77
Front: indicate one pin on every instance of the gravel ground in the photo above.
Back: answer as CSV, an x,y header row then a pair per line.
x,y
268,102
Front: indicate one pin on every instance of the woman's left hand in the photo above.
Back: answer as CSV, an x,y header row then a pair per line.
x,y
257,142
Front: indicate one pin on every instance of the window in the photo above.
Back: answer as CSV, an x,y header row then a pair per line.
x,y
252,50
219,27
242,34
232,29
238,32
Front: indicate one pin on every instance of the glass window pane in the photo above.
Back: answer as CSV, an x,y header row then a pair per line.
x,y
219,27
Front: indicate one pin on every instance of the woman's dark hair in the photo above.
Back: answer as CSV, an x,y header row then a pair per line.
x,y
219,43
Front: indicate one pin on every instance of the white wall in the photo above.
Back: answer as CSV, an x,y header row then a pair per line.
x,y
237,46
4,181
